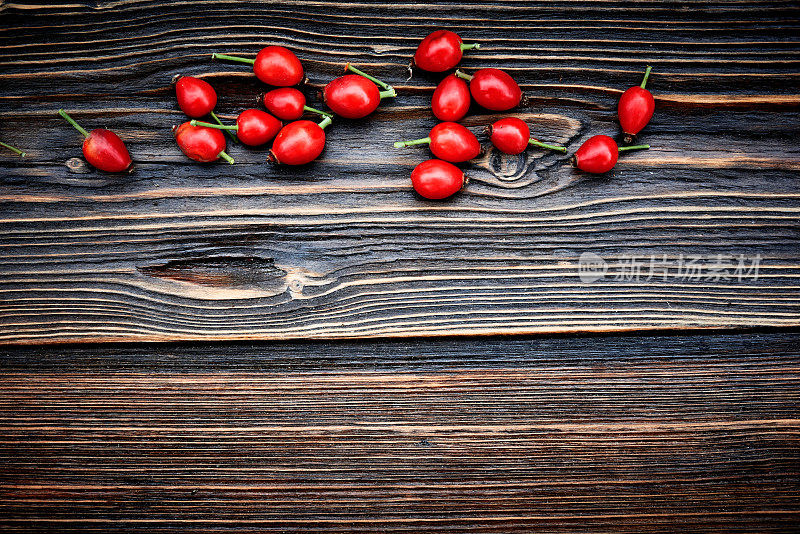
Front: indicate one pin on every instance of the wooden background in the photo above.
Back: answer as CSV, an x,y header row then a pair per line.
x,y
621,405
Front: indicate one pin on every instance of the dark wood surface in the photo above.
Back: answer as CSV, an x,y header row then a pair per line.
x,y
602,421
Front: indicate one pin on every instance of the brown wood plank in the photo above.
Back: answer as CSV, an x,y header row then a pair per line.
x,y
601,434
342,248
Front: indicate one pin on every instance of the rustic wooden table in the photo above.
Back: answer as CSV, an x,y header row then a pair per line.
x,y
207,348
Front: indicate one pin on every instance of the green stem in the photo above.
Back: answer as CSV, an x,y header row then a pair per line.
x,y
633,147
230,133
13,149
217,126
538,143
473,46
646,75
226,157
423,141
233,58
463,76
388,93
72,122
325,122
312,110
367,76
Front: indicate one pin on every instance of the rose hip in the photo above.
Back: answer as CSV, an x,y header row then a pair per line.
x,y
287,103
448,141
512,136
253,127
636,106
436,179
451,99
200,143
441,51
196,98
273,65
599,154
103,149
493,89
354,96
299,142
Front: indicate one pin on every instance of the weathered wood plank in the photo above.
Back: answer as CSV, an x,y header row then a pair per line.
x,y
612,434
342,248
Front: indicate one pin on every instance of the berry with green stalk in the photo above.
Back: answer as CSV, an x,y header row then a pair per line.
x,y
448,141
636,107
599,154
354,96
200,143
273,65
299,142
253,127
511,135
493,89
196,98
288,103
103,149
441,51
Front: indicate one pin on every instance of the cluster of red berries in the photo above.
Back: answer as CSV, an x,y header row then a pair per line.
x,y
357,94
496,90
352,96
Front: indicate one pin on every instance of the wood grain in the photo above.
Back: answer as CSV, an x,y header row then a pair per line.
x,y
601,434
342,248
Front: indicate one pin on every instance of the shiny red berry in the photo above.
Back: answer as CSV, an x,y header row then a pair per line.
x,y
253,127
196,97
440,51
273,65
103,149
512,136
451,99
354,96
599,154
636,106
200,143
449,141
299,142
437,179
287,103
493,89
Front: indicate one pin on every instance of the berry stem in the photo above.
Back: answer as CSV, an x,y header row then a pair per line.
x,y
325,122
13,149
538,143
217,126
646,75
367,76
72,122
634,147
463,76
230,133
473,46
226,157
312,110
423,141
233,58
389,93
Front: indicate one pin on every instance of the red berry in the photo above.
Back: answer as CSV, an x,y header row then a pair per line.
x,y
200,143
287,103
599,154
196,97
353,96
440,51
273,65
256,127
451,99
512,136
103,149
449,141
299,142
636,106
436,179
493,89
